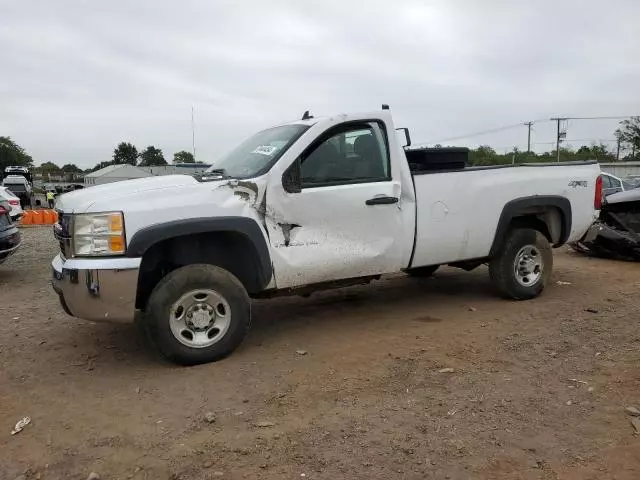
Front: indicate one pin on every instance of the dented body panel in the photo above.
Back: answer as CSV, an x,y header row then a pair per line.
x,y
330,232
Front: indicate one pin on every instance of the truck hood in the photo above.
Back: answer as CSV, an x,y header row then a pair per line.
x,y
81,200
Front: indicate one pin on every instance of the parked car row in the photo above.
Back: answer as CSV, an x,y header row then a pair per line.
x,y
9,233
612,184
13,204
18,180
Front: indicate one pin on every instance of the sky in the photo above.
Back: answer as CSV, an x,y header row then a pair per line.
x,y
78,77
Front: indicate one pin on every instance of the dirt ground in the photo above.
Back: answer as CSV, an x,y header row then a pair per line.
x,y
537,391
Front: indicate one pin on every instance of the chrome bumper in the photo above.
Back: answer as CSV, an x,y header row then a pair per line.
x,y
101,289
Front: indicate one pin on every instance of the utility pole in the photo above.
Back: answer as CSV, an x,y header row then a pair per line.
x,y
193,135
529,124
558,135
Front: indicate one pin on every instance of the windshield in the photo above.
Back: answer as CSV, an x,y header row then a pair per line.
x,y
257,154
16,187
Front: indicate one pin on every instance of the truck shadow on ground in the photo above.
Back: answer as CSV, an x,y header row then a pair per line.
x,y
396,300
400,298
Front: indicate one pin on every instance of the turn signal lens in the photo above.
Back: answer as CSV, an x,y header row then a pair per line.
x,y
116,244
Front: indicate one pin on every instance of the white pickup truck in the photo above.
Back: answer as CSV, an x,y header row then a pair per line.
x,y
316,203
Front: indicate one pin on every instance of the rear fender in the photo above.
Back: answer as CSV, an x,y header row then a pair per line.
x,y
538,206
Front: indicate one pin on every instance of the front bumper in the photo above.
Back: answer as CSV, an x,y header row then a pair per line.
x,y
97,289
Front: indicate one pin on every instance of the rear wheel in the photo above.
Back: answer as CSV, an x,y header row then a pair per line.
x,y
198,314
422,272
523,267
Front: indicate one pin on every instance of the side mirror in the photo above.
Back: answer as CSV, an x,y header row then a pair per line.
x,y
291,181
406,136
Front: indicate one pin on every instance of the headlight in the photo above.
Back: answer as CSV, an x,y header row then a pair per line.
x,y
96,234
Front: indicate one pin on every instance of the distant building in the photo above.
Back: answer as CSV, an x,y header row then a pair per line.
x,y
117,173
177,169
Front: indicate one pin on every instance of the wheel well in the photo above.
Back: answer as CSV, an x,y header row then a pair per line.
x,y
233,251
549,220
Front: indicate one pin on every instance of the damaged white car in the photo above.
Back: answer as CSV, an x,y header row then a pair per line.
x,y
316,203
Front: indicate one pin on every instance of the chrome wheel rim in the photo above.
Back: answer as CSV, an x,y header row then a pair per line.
x,y
528,266
200,318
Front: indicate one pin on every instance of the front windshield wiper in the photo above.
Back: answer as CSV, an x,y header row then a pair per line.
x,y
215,174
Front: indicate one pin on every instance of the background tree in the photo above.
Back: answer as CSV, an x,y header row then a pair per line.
x,y
125,153
49,168
98,166
71,172
151,157
183,157
630,134
484,155
71,168
12,154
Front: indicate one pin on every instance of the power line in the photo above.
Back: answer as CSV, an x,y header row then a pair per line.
x,y
600,118
483,132
529,125
560,135
571,140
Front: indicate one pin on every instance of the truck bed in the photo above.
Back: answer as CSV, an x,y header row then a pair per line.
x,y
458,210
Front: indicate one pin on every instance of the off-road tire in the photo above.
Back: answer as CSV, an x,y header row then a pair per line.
x,y
502,265
184,280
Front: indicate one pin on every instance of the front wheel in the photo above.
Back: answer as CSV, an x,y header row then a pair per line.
x,y
523,267
198,314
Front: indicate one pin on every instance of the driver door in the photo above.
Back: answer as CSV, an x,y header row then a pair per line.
x,y
345,221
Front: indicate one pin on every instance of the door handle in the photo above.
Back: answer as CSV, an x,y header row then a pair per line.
x,y
382,200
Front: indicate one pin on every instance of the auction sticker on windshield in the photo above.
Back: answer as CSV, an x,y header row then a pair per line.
x,y
265,150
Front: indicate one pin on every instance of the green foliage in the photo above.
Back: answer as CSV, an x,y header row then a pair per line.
x,y
183,157
125,153
49,168
629,133
598,152
71,172
98,166
485,155
12,154
152,156
71,168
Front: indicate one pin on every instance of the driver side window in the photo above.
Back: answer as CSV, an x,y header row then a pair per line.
x,y
353,154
